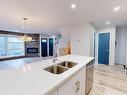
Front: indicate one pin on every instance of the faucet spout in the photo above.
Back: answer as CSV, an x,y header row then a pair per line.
x,y
55,58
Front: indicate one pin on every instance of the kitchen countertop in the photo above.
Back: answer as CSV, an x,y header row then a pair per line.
x,y
31,79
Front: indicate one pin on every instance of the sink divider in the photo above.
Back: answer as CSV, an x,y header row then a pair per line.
x,y
63,67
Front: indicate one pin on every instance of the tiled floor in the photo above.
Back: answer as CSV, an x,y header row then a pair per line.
x,y
19,62
109,80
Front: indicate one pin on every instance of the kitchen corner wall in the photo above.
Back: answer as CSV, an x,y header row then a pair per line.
x,y
121,45
82,40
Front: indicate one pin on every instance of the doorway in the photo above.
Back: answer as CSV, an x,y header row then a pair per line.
x,y
103,48
50,46
44,45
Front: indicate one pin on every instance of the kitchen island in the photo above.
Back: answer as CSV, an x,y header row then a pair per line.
x,y
32,79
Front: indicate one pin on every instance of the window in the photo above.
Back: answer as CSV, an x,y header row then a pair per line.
x,y
11,46
3,51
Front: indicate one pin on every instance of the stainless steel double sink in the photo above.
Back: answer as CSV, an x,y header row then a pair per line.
x,y
60,67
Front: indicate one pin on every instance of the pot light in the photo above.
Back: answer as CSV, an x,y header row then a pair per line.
x,y
117,8
73,6
108,22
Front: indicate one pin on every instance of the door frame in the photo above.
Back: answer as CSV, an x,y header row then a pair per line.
x,y
97,44
47,45
102,44
41,46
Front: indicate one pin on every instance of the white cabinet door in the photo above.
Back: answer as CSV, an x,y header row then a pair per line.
x,y
74,86
82,77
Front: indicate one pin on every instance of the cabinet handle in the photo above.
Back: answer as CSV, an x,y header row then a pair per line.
x,y
77,86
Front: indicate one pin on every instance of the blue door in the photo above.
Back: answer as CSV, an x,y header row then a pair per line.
x,y
51,47
44,50
103,48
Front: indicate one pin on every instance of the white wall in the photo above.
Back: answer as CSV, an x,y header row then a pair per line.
x,y
112,31
121,39
82,40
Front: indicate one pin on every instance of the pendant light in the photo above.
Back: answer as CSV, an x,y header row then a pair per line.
x,y
25,37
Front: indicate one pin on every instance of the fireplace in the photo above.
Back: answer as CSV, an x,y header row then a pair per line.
x,y
32,50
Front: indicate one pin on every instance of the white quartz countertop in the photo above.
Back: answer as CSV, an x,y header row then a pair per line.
x,y
31,79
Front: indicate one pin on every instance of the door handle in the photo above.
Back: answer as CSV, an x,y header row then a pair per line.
x,y
107,50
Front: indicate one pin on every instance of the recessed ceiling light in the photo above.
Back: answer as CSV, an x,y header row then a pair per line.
x,y
73,6
108,22
117,8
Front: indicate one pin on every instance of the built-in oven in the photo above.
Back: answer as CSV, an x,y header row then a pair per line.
x,y
89,76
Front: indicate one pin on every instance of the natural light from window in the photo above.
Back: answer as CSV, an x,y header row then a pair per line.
x,y
11,46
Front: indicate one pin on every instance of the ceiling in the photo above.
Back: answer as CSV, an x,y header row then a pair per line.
x,y
49,15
